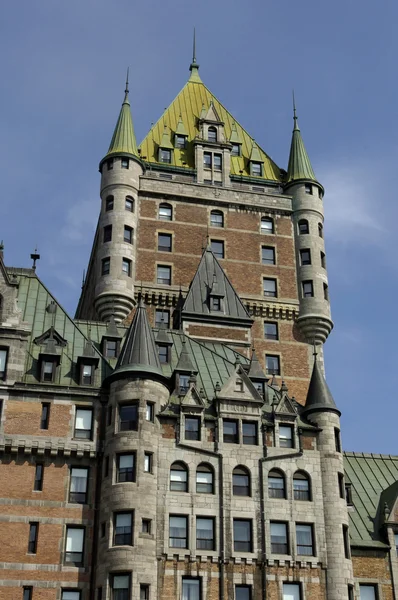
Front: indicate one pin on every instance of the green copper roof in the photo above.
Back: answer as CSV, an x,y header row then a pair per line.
x,y
255,155
234,137
166,141
123,139
180,129
299,163
319,397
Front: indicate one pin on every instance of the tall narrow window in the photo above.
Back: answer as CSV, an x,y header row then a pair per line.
x,y
292,591
308,289
125,468
109,203
109,164
39,472
83,423
320,230
178,532
164,275
205,539
191,589
256,169
165,212
87,374
163,352
148,461
269,287
48,370
207,160
286,439
204,479
348,494
128,417
144,591
272,364
27,593
268,255
123,529
45,415
129,203
216,218
33,535
124,163
276,484
346,542
235,150
230,431
249,433
341,484
337,441
126,266
164,242
267,225
212,134
305,257
243,535
178,477
303,227
107,233
326,292
105,266
149,411
308,188
121,586
217,162
279,538
323,260
192,428
78,485
270,330
350,592
128,234
301,486
217,247
304,539
241,482
74,545
3,362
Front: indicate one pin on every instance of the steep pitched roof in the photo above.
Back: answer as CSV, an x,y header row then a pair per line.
x,y
255,370
192,104
319,397
299,163
123,140
211,278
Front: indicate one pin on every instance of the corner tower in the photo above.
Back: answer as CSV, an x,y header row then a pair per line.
x,y
307,199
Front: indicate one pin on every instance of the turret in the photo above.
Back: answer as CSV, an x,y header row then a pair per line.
x,y
307,193
115,252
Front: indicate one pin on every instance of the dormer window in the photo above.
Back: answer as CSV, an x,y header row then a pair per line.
x,y
239,385
163,351
215,303
165,155
235,150
87,374
212,134
256,169
259,385
3,362
48,369
110,348
180,141
183,383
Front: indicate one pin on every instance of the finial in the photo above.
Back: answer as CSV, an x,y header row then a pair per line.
x,y
294,112
194,67
34,256
126,91
194,46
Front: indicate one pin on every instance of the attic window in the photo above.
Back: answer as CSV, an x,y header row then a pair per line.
x,y
238,385
183,383
87,372
180,141
235,151
48,368
164,155
215,303
163,350
111,348
256,169
212,134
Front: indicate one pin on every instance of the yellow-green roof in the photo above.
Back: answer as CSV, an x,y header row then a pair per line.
x,y
189,106
123,139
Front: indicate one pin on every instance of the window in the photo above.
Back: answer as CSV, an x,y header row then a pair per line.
x,y
249,433
45,415
204,479
164,242
348,494
367,591
325,292
301,486
165,212
128,417
323,260
239,387
396,542
279,538
205,534
276,484
121,586
124,163
78,485
183,383
125,468
150,411
105,266
165,155
291,591
308,188
107,233
286,436
109,203
230,431
33,534
48,370
212,134
235,150
111,348
39,472
123,532
269,287
241,482
272,364
308,289
341,485
350,592
87,375
305,257
179,141
267,225
304,539
216,218
178,532
128,234
267,255
146,526
217,247
303,227
337,441
256,169
70,595
129,203
243,592
192,428
320,230
270,330
215,303
164,275
109,164
242,535
126,266
178,477
148,459
27,593
207,156
217,162
346,542
83,423
74,545
191,589
162,315
163,351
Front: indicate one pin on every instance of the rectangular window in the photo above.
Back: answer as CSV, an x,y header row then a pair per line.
x,y
125,163
165,155
33,535
323,260
123,529
256,169
243,592
217,247
230,431
286,436
162,314
304,539
71,595
272,364
39,472
87,374
269,287
128,234
191,589
45,415
367,591
107,233
164,242
83,423
341,485
109,203
348,494
308,289
105,266
337,441
164,275
48,371
146,526
125,468
308,188
205,534
3,362
148,460
121,586
165,212
110,349
109,164
74,545
216,218
243,535
183,383
27,593
346,542
163,352
179,141
325,292
215,303
350,592
217,162
279,538
192,428
267,255
128,417
78,485
291,591
178,532
270,330
207,160
235,150
150,412
305,257
129,204
204,480
249,433
126,266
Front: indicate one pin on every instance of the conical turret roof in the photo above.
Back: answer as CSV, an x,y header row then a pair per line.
x,y
123,140
299,163
255,370
319,397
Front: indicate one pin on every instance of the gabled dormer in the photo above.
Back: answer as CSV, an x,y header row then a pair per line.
x,y
49,358
257,376
87,364
210,125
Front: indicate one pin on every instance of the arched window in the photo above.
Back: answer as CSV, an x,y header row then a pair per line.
x,y
204,479
165,212
301,486
212,134
267,225
129,203
320,230
178,477
276,484
216,218
241,481
303,227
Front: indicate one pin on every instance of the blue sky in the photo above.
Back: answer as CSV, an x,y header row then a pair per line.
x,y
62,77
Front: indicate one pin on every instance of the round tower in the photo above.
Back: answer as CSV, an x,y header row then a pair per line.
x,y
307,199
117,228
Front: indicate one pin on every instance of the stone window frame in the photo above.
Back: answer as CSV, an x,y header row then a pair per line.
x,y
86,493
307,288
313,538
188,532
115,514
109,203
267,219
293,429
304,262
119,574
198,418
219,241
303,223
245,516
301,474
164,265
300,584
271,339
276,472
77,407
217,212
242,470
214,539
210,469
279,357
74,526
168,206
274,251
132,201
170,235
287,532
273,278
371,582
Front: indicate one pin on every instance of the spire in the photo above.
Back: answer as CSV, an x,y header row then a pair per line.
x,y
123,139
255,370
319,397
166,141
299,162
180,129
234,137
184,361
194,67
255,155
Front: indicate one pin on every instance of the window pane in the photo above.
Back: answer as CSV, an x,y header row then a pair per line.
x,y
128,417
190,589
291,591
178,532
83,422
256,169
304,539
285,436
217,219
126,461
267,225
367,592
121,582
269,286
147,462
267,255
164,275
191,428
217,162
235,151
164,242
165,212
242,592
217,247
270,331
128,234
129,204
70,595
78,485
204,534
207,160
272,364
279,543
242,535
249,431
230,430
212,134
162,314
74,540
276,485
